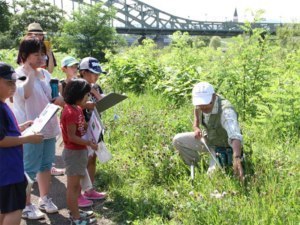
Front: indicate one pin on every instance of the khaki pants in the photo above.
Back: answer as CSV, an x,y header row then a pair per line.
x,y
189,147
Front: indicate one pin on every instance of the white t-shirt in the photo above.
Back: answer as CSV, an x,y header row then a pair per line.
x,y
30,108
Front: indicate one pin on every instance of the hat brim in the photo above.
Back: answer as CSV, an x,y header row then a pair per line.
x,y
72,63
202,100
11,77
94,71
36,32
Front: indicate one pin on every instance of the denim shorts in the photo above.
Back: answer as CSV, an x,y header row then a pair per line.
x,y
39,157
75,161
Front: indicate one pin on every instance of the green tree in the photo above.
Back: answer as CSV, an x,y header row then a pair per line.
x,y
215,42
288,36
4,16
48,15
89,32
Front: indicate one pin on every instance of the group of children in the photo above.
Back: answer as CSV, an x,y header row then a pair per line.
x,y
34,154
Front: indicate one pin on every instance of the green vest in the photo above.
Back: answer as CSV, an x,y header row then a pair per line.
x,y
216,134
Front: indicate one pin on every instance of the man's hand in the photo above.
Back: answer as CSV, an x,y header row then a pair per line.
x,y
197,133
238,168
237,163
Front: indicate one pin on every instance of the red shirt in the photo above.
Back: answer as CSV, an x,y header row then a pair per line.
x,y
72,115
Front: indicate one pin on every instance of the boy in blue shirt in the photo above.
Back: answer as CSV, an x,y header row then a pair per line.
x,y
12,180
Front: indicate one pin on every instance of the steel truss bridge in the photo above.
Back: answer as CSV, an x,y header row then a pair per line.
x,y
136,17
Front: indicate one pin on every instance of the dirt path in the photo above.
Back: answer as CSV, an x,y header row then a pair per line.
x,y
58,195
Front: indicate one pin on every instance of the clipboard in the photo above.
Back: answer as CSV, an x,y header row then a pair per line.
x,y
109,101
39,123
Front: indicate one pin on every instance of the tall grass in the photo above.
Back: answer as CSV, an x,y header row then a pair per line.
x,y
148,183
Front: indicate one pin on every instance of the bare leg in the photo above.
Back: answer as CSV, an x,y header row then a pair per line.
x,y
44,179
12,218
92,167
73,191
28,199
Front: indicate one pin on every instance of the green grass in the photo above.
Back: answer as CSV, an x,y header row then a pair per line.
x,y
148,183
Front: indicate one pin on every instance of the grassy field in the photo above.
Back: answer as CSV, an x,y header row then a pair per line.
x,y
147,182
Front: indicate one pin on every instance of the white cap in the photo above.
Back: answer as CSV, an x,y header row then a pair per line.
x,y
202,93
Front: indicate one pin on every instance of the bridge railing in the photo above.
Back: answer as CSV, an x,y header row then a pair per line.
x,y
137,17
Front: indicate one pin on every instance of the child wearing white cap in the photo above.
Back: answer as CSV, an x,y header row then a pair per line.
x,y
90,69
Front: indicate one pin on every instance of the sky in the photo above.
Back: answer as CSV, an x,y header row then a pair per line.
x,y
222,10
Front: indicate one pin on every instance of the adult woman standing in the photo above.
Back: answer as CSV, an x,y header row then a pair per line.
x,y
35,30
31,97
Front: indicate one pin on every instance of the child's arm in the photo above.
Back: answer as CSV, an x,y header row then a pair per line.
x,y
24,126
71,130
59,101
89,105
97,95
10,141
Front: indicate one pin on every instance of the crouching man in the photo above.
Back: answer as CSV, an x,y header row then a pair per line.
x,y
221,131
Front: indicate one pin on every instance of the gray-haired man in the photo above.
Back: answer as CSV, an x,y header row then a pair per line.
x,y
221,129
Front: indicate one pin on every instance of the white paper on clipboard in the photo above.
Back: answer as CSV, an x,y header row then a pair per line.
x,y
38,124
94,128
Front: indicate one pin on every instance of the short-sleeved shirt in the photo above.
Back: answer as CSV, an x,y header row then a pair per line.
x,y
72,114
31,107
11,158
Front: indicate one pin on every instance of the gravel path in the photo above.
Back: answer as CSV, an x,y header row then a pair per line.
x,y
58,195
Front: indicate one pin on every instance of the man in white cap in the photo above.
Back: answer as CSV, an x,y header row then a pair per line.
x,y
221,131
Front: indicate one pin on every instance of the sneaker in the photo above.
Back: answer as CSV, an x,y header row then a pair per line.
x,y
57,172
32,212
94,195
83,202
83,221
47,205
84,214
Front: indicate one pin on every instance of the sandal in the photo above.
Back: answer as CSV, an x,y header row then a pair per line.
x,y
57,172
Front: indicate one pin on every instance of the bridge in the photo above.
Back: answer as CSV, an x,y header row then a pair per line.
x,y
137,17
